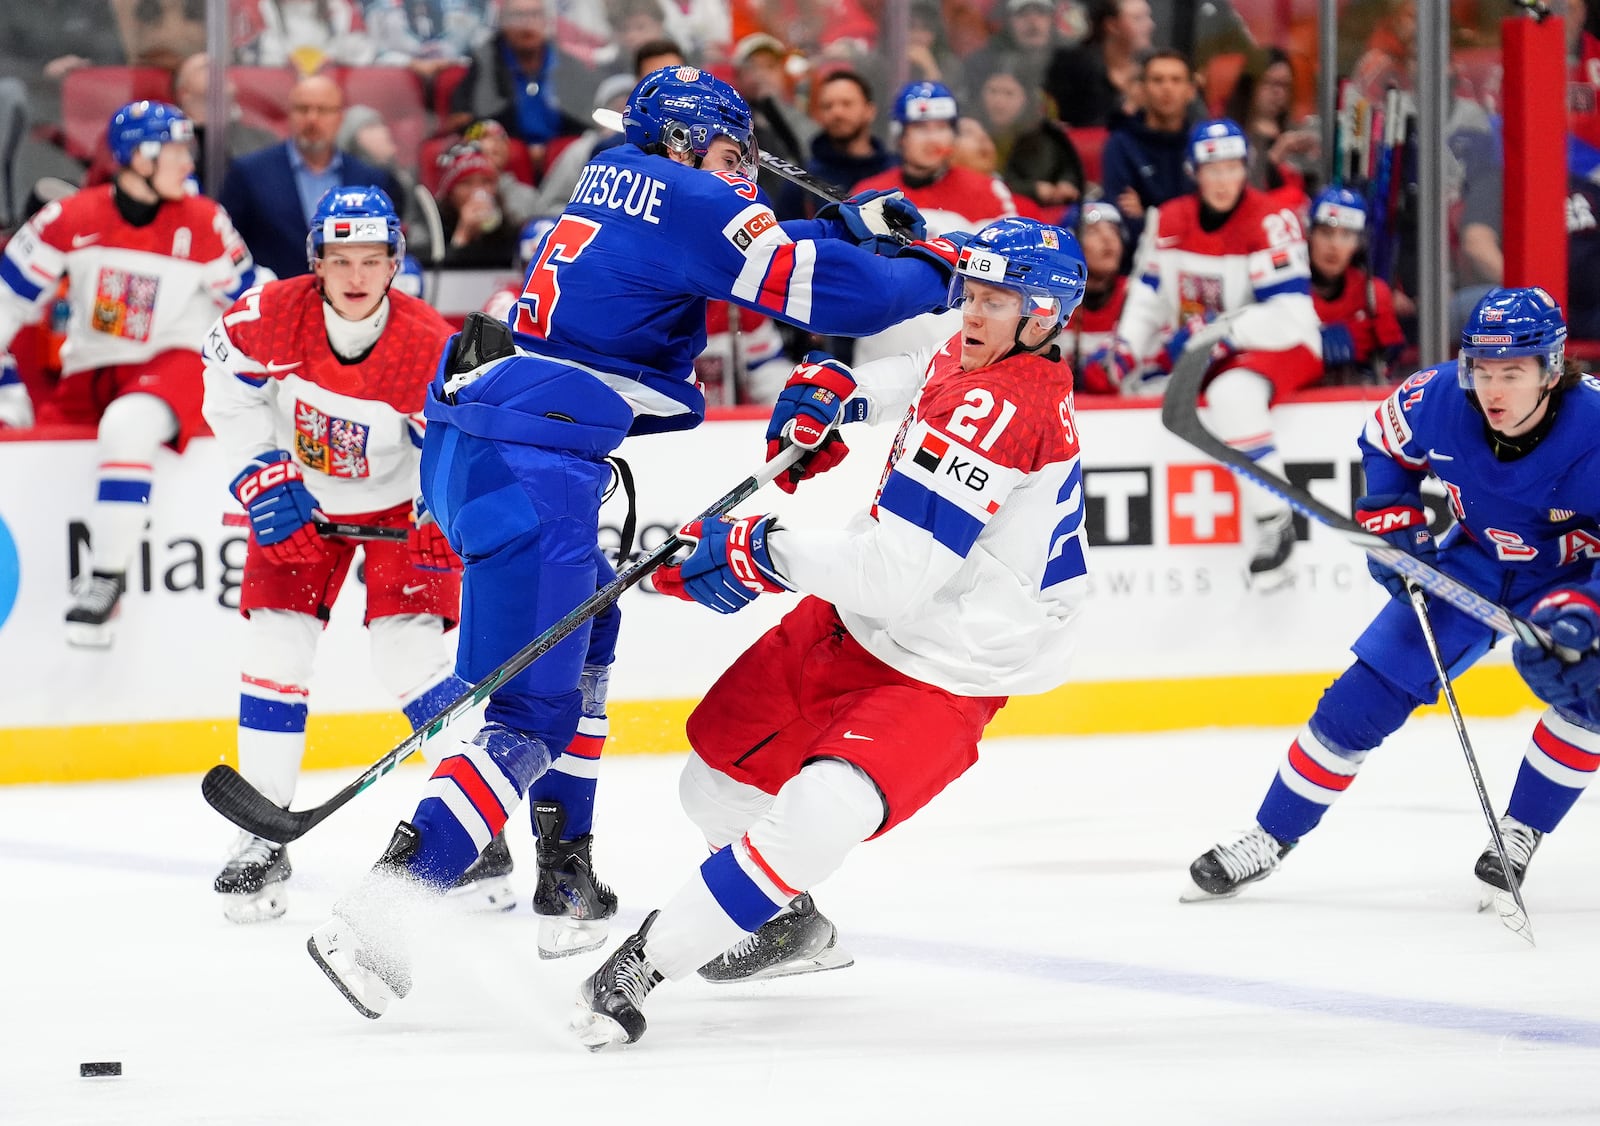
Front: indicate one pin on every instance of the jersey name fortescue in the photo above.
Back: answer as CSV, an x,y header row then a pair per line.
x,y
620,189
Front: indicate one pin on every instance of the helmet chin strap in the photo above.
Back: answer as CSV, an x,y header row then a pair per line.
x,y
1018,347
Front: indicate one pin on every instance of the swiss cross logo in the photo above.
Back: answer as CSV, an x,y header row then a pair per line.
x,y
1202,505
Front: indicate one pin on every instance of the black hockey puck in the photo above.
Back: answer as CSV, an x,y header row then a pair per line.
x,y
106,1067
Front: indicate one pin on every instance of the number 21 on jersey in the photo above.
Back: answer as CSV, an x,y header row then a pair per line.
x,y
537,305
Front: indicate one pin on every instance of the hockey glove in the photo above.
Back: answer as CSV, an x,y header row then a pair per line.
x,y
1178,342
16,407
879,221
1112,366
941,253
281,509
426,543
728,566
1573,620
1338,347
1400,520
809,411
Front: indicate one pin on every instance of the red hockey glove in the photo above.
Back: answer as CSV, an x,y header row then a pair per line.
x,y
729,566
426,543
282,510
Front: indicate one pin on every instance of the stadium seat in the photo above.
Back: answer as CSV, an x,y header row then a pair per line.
x,y
262,93
444,84
428,159
1218,78
397,94
91,94
1089,140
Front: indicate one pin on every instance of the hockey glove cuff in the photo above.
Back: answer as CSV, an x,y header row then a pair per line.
x,y
1573,620
1338,347
281,509
1400,520
728,566
941,253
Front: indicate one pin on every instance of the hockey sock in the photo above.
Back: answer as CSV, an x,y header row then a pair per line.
x,y
1240,402
118,515
474,788
575,773
422,707
1311,776
272,735
1560,761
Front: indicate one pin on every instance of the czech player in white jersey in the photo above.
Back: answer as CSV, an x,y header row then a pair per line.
x,y
149,266
959,587
315,386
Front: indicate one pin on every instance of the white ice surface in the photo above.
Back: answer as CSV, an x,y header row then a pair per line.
x,y
1021,958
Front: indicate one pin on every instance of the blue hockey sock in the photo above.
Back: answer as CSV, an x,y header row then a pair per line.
x,y
473,790
434,699
1311,776
1559,763
573,776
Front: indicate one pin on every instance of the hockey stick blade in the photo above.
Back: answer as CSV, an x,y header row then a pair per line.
x,y
227,792
1180,414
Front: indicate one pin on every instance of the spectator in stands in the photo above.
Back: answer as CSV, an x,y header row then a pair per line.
x,y
477,235
639,22
700,27
427,37
1093,325
1096,82
1044,168
561,178
1143,163
845,151
272,193
365,136
974,148
1390,55
928,54
190,84
68,35
655,54
759,74
518,199
522,80
1281,155
1005,107
160,33
304,34
1361,335
1024,47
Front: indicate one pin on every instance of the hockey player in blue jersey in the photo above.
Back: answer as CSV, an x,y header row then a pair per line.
x,y
606,330
1513,433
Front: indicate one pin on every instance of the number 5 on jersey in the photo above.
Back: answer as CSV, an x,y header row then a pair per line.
x,y
537,305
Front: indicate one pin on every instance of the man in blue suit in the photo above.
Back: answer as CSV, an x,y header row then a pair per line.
x,y
271,193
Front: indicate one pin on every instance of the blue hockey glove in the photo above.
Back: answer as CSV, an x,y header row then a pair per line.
x,y
879,221
1400,520
1573,620
941,253
1113,365
1178,342
1338,347
729,565
808,413
281,509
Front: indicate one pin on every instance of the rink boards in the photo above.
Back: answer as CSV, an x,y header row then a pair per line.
x,y
1173,637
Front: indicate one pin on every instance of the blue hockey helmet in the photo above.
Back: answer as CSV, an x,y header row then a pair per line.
x,y
1039,261
925,101
682,109
531,235
143,127
1339,207
1079,219
1514,322
408,279
1217,139
354,215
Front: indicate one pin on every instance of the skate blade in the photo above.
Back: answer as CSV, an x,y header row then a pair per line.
x,y
1194,893
371,1007
82,635
833,958
262,906
1270,582
492,894
596,1031
562,938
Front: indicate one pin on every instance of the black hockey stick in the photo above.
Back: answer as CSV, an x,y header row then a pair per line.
x,y
227,792
1513,912
332,528
1180,414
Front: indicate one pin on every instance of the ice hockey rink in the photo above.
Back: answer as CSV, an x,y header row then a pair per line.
x,y
1021,957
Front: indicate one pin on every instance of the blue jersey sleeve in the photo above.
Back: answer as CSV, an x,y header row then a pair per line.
x,y
1394,452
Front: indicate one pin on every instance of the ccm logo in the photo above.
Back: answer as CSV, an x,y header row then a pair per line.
x,y
270,477
1389,520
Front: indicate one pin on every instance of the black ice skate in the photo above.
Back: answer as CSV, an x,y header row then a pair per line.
x,y
1521,842
253,882
611,1000
1274,542
576,906
1223,870
798,940
95,598
362,948
486,886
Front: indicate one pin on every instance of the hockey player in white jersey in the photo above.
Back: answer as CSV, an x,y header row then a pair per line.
x,y
1227,250
315,386
959,587
149,266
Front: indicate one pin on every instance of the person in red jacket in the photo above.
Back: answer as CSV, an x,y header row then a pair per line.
x,y
1361,335
1093,326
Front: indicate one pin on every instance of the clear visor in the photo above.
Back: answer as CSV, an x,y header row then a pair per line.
x,y
1001,300
1481,365
681,138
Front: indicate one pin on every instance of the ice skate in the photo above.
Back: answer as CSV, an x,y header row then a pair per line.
x,y
1521,842
576,907
486,886
362,948
798,940
253,883
1269,569
95,599
1220,872
611,1000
